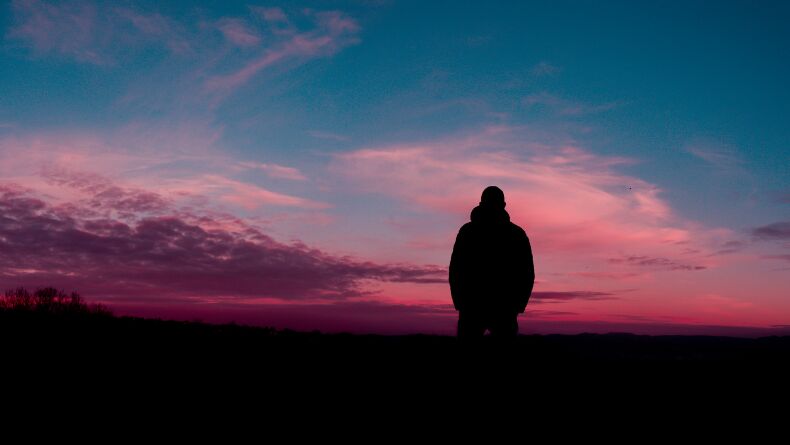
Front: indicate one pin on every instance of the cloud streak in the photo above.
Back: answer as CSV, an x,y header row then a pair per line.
x,y
68,29
238,32
571,199
276,170
175,255
101,34
775,231
544,68
658,262
91,32
562,106
545,296
333,31
718,155
181,168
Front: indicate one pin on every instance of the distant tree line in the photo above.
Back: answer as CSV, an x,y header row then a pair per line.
x,y
49,300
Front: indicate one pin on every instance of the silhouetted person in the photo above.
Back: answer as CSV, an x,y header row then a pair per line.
x,y
491,271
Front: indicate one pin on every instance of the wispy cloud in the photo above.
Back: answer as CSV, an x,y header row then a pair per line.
x,y
782,197
155,28
333,30
572,197
272,14
157,250
246,195
571,295
478,40
566,107
69,29
785,257
775,231
238,32
181,164
544,68
729,247
658,262
276,170
275,18
102,196
721,156
101,34
328,135
578,208
91,32
606,275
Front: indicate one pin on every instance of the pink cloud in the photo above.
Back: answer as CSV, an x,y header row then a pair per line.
x,y
246,195
571,199
273,14
336,22
664,263
276,20
328,135
169,254
106,198
183,167
566,107
89,195
591,225
570,295
365,317
276,170
90,32
544,68
724,158
238,32
69,29
140,171
332,32
778,231
156,28
231,81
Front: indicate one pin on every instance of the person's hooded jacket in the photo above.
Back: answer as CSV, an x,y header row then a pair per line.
x,y
491,267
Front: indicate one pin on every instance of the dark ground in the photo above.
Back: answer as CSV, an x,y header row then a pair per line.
x,y
60,358
154,363
132,339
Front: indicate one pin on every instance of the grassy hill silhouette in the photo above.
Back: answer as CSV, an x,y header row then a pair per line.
x,y
51,319
57,341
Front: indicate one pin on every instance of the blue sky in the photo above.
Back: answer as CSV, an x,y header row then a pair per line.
x,y
692,94
648,80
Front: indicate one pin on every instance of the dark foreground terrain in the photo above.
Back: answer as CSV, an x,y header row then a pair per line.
x,y
61,358
70,344
133,340
112,336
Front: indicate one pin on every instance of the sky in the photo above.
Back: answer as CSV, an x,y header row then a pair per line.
x,y
307,165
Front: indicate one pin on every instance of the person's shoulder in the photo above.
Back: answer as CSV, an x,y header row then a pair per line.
x,y
516,229
466,228
518,232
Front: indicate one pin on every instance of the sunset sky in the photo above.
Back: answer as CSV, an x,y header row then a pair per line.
x,y
307,165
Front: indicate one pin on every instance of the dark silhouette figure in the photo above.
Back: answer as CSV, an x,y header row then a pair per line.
x,y
491,271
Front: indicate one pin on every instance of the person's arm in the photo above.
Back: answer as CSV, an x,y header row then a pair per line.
x,y
527,267
458,269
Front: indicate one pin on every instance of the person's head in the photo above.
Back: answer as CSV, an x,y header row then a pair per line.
x,y
493,196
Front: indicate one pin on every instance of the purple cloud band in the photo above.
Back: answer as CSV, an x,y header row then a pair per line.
x,y
776,231
571,295
660,262
171,256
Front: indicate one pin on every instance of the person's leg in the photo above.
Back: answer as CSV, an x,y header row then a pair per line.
x,y
471,326
504,326
503,344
